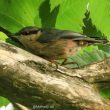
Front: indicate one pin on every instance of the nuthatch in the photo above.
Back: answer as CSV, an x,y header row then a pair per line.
x,y
53,44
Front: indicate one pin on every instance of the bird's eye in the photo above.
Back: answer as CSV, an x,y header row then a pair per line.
x,y
25,33
28,32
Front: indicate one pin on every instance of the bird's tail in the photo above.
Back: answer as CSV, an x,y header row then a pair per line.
x,y
93,40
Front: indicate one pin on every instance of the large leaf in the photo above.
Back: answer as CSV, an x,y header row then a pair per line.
x,y
67,15
16,14
71,14
55,3
89,28
100,15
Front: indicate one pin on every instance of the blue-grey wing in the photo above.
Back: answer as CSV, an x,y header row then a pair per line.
x,y
55,34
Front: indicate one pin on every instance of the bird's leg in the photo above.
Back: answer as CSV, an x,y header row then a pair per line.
x,y
52,61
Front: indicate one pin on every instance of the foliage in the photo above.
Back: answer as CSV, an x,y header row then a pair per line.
x,y
100,15
70,15
3,101
16,14
55,3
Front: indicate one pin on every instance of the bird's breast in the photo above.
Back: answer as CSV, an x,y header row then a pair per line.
x,y
62,48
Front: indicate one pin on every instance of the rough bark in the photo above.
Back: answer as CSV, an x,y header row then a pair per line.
x,y
35,83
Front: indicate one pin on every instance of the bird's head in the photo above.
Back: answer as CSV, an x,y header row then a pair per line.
x,y
28,30
27,34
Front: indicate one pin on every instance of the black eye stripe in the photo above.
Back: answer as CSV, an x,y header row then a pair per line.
x,y
29,32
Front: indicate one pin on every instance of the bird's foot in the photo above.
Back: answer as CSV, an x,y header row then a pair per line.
x,y
53,63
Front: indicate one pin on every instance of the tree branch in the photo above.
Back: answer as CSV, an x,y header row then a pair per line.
x,y
33,82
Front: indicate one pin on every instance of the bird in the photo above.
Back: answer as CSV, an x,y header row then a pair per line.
x,y
53,44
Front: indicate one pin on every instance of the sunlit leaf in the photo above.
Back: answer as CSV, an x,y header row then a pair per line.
x,y
69,15
3,36
100,15
55,3
16,14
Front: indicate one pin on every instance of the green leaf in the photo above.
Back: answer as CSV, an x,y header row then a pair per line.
x,y
89,29
68,15
62,14
16,14
100,15
55,3
3,101
104,89
3,36
71,14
